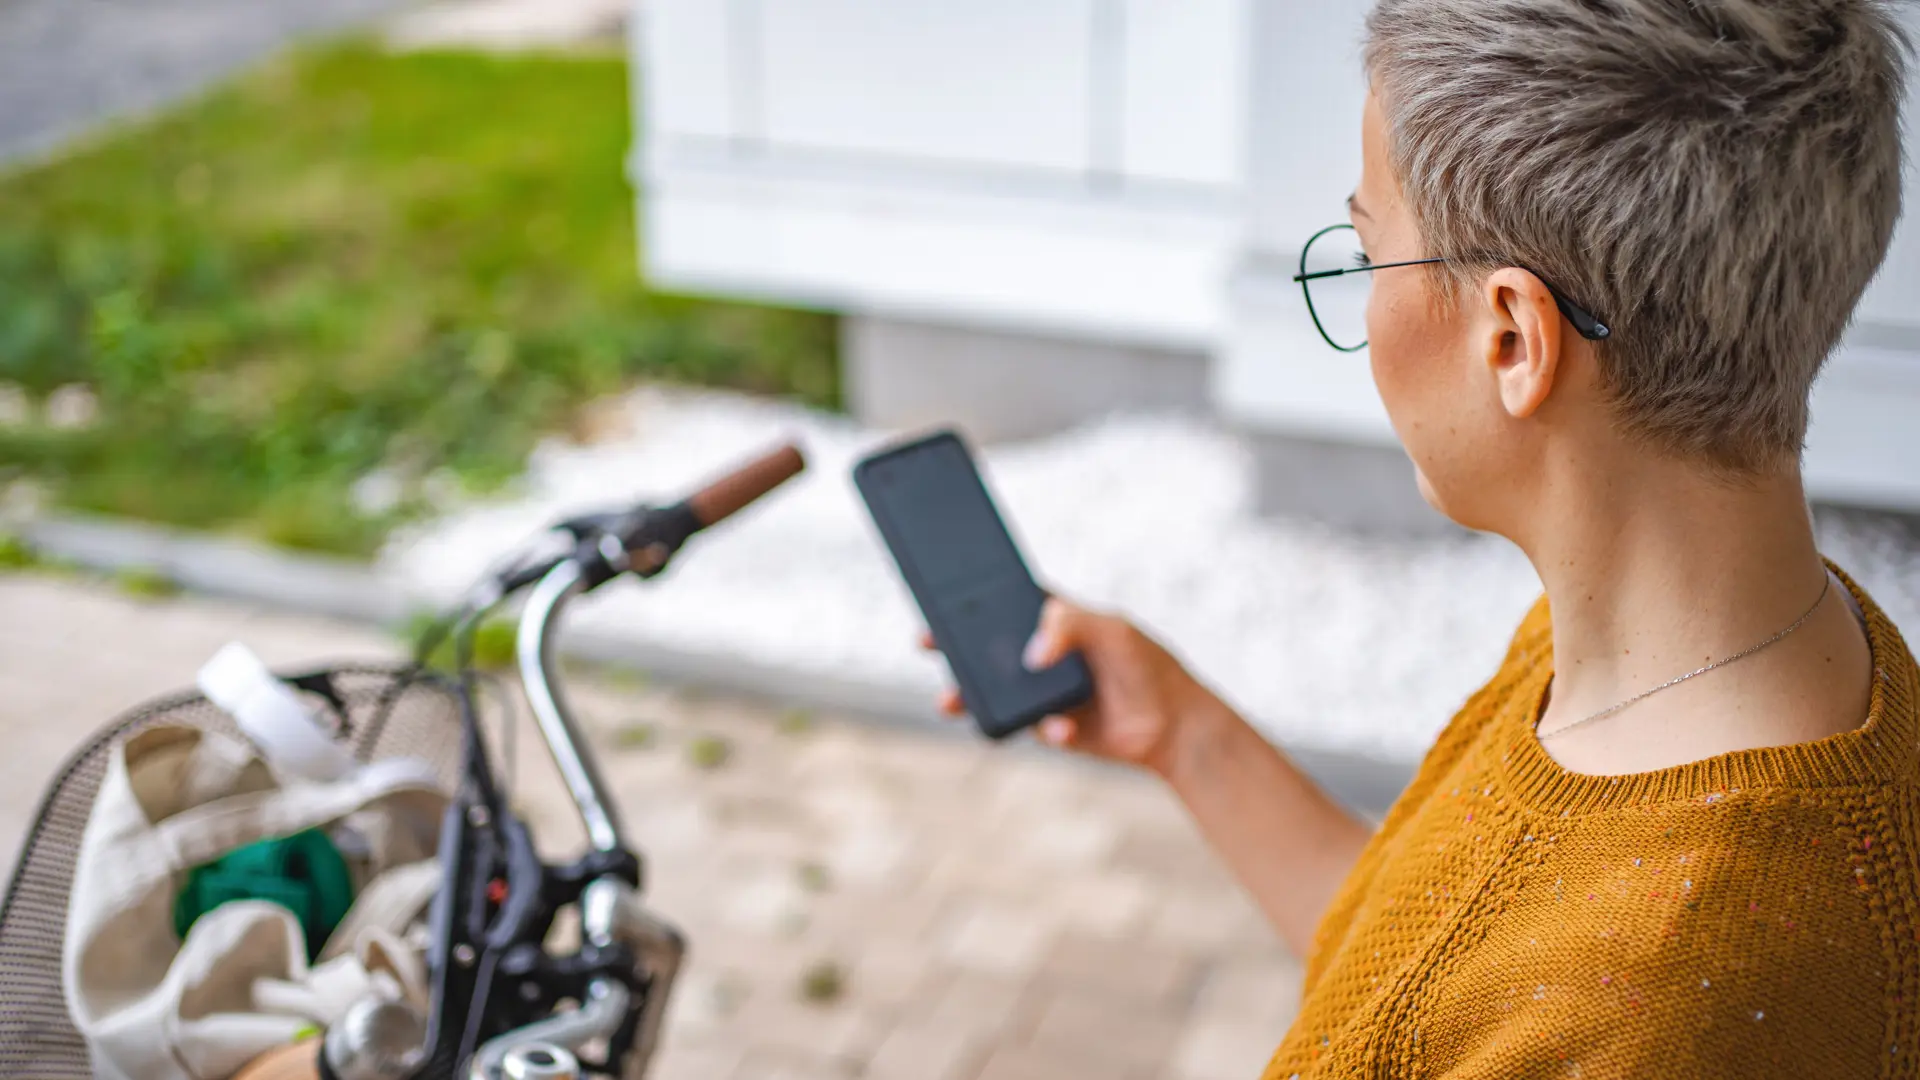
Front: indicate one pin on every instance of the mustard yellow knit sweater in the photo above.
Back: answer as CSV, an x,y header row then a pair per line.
x,y
1756,914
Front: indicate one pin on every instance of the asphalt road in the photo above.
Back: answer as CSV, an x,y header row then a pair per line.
x,y
68,65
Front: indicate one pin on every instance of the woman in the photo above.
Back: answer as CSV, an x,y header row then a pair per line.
x,y
1673,836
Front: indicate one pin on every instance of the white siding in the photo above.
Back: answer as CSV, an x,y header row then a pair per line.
x,y
1303,160
1183,90
684,53
1066,165
1046,265
995,83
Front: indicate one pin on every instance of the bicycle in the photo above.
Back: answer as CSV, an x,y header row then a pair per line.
x,y
504,1002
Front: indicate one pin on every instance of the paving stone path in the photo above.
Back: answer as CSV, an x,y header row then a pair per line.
x,y
863,901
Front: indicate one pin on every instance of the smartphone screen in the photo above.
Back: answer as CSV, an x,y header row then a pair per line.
x,y
981,603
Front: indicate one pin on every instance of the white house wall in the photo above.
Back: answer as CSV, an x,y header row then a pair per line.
x,y
687,90
991,84
1183,92
1067,166
1040,261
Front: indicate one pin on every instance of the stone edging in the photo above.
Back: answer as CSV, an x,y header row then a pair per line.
x,y
355,592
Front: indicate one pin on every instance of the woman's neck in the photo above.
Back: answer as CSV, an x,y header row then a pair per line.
x,y
1655,570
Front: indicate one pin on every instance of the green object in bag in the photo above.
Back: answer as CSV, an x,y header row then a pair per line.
x,y
304,873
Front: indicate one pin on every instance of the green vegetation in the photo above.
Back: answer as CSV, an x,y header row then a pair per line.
x,y
823,983
814,877
346,261
494,642
145,583
618,677
709,752
638,735
17,554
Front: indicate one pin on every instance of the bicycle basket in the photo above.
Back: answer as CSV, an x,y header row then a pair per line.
x,y
377,711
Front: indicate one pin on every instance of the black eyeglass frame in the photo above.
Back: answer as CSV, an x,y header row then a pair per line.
x,y
1584,323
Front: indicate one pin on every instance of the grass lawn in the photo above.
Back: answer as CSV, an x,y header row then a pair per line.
x,y
345,260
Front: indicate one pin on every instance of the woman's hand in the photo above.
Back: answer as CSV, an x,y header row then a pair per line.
x,y
1285,839
1140,692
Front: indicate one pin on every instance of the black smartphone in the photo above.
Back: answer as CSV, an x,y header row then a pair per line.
x,y
965,572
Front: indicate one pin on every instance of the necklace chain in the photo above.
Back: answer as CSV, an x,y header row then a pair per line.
x,y
1696,672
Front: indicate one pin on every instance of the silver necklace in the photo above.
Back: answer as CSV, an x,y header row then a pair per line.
x,y
1696,672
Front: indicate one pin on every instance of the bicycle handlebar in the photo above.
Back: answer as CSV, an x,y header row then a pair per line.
x,y
612,911
642,539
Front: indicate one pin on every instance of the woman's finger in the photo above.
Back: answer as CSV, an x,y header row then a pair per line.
x,y
950,703
1053,638
1058,731
926,641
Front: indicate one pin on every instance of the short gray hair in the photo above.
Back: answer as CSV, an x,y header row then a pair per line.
x,y
1717,180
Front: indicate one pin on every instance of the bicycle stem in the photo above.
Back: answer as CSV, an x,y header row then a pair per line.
x,y
536,649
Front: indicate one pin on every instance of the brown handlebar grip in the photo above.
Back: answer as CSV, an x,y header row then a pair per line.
x,y
745,484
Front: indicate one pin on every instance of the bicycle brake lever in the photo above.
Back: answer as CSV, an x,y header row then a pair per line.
x,y
640,541
589,525
652,539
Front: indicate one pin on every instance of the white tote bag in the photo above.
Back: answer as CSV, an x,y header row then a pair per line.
x,y
153,1007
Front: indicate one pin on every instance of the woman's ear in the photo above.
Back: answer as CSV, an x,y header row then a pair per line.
x,y
1524,339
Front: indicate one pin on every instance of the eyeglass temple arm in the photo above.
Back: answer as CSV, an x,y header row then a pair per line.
x,y
1589,327
1584,322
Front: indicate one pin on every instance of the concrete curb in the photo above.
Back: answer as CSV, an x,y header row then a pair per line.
x,y
354,592
219,566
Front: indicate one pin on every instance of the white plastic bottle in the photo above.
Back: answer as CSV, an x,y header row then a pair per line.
x,y
273,716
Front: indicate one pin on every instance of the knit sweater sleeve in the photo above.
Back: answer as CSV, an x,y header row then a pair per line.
x,y
1739,936
1523,654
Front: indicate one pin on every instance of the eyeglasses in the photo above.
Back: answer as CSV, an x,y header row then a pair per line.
x,y
1335,277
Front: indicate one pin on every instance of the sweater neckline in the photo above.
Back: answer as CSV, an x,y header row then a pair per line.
x,y
1878,751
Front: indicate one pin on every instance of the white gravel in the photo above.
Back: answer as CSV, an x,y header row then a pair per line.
x,y
1325,640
